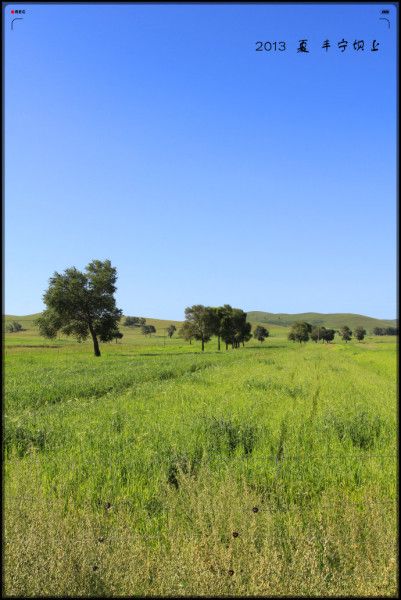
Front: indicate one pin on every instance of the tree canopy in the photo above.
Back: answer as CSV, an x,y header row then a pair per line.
x,y
359,333
260,333
318,333
171,329
14,327
201,322
227,323
219,315
148,330
82,304
385,331
328,335
134,321
186,331
300,332
345,333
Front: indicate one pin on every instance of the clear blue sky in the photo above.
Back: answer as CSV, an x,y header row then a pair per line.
x,y
156,136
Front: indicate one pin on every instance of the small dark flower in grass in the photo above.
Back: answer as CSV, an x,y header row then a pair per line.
x,y
235,534
101,539
95,568
231,572
255,509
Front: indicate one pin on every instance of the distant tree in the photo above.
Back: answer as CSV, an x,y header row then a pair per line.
x,y
82,304
130,321
201,320
14,327
186,331
328,335
227,330
234,328
318,333
385,331
300,332
134,321
171,330
244,331
219,313
148,330
346,333
260,333
359,333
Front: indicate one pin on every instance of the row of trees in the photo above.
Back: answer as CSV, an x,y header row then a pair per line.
x,y
82,304
226,323
134,322
147,329
385,331
303,331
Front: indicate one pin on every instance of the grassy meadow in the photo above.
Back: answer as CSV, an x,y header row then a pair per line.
x,y
158,470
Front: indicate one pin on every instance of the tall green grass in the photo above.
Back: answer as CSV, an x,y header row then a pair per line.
x,y
129,474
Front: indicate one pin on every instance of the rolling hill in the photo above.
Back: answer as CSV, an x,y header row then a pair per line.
x,y
333,320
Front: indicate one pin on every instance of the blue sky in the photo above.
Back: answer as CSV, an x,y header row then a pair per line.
x,y
207,172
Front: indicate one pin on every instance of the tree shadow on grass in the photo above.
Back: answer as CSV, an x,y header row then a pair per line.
x,y
265,348
211,352
176,353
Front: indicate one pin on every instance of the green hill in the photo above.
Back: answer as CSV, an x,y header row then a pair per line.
x,y
333,320
27,321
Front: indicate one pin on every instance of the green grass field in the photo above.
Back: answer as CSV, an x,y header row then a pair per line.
x,y
129,474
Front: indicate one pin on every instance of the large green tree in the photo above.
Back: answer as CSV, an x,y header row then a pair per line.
x,y
242,327
260,333
328,335
300,332
235,329
82,304
346,333
219,314
186,331
201,322
318,333
359,333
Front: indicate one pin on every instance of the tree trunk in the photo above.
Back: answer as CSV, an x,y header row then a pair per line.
x,y
203,345
95,342
218,343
